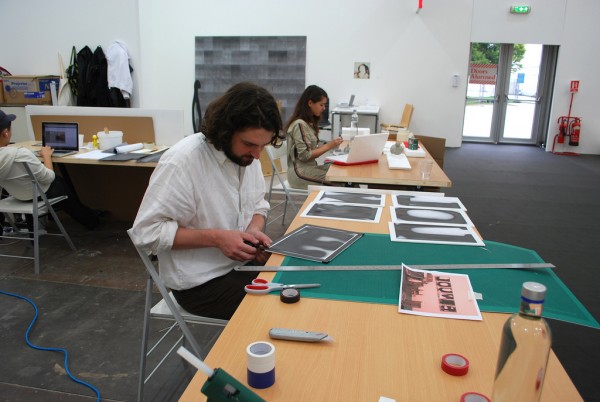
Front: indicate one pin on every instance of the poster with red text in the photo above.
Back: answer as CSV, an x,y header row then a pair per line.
x,y
437,294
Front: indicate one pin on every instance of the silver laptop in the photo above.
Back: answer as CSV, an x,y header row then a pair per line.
x,y
62,137
349,104
363,149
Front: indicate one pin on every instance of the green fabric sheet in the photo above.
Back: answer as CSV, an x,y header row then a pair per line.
x,y
500,287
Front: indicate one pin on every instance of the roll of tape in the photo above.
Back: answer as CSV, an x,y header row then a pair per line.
x,y
454,364
261,364
474,397
290,295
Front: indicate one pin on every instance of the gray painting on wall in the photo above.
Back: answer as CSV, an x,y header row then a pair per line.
x,y
277,63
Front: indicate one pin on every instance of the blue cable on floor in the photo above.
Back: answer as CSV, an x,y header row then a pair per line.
x,y
64,351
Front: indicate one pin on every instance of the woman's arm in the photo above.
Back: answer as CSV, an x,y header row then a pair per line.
x,y
305,141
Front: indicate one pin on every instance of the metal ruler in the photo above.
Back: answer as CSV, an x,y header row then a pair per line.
x,y
326,267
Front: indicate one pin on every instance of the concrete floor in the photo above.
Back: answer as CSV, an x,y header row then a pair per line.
x,y
91,303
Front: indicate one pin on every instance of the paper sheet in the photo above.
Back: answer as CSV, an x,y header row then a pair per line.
x,y
95,155
123,149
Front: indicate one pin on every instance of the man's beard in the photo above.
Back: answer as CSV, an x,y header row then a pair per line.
x,y
244,160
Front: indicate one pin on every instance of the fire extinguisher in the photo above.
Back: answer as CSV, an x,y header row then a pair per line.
x,y
574,132
563,125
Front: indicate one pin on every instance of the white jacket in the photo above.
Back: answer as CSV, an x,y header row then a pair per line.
x,y
118,73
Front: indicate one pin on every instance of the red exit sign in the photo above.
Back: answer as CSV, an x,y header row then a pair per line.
x,y
574,86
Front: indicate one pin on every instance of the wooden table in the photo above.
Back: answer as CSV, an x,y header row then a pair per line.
x,y
376,351
374,174
114,186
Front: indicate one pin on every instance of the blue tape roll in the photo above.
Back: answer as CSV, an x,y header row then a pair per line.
x,y
261,364
261,380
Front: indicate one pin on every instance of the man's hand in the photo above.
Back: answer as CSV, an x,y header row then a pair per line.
x,y
261,255
242,246
46,154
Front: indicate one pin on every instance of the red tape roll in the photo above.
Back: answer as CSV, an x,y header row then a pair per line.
x,y
454,364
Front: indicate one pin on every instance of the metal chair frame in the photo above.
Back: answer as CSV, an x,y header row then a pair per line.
x,y
10,206
278,154
167,309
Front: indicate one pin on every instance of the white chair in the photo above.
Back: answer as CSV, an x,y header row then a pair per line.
x,y
10,207
166,309
278,158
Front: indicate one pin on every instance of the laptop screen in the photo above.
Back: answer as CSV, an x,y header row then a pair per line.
x,y
60,136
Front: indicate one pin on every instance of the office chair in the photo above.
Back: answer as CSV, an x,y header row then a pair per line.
x,y
278,158
38,207
166,309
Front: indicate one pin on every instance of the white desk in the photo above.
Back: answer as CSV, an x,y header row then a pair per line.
x,y
368,116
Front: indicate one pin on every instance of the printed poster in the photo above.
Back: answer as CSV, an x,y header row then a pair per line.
x,y
437,294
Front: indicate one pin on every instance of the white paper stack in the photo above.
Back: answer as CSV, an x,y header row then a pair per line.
x,y
398,161
413,153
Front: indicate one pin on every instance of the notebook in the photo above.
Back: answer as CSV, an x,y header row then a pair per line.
x,y
62,137
398,161
363,149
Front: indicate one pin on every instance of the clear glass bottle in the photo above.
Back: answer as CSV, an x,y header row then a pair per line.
x,y
354,119
524,350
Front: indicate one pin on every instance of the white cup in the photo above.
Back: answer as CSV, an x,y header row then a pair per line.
x,y
425,167
80,140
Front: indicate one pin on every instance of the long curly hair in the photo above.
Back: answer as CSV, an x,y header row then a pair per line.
x,y
244,105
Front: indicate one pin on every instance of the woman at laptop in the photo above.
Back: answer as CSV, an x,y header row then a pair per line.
x,y
16,181
303,146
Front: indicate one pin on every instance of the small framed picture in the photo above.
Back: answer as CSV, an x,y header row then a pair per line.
x,y
362,70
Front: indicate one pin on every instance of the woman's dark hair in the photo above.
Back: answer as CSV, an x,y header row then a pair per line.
x,y
302,111
366,68
243,106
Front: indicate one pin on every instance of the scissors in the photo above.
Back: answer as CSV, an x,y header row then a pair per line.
x,y
261,286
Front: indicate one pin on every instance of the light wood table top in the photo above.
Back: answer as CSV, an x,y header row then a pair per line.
x,y
71,159
379,173
376,351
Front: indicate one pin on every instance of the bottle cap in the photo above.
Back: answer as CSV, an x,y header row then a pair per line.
x,y
533,291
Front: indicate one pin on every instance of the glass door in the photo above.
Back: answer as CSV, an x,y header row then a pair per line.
x,y
504,93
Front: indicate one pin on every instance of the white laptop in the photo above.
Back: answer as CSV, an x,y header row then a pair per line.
x,y
62,137
363,149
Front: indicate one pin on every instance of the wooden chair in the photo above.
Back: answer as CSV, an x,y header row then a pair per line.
x,y
404,121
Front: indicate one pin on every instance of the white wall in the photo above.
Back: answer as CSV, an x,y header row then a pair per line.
x,y
34,32
579,59
413,55
409,53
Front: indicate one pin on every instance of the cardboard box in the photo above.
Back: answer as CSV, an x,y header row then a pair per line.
x,y
28,89
1,92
